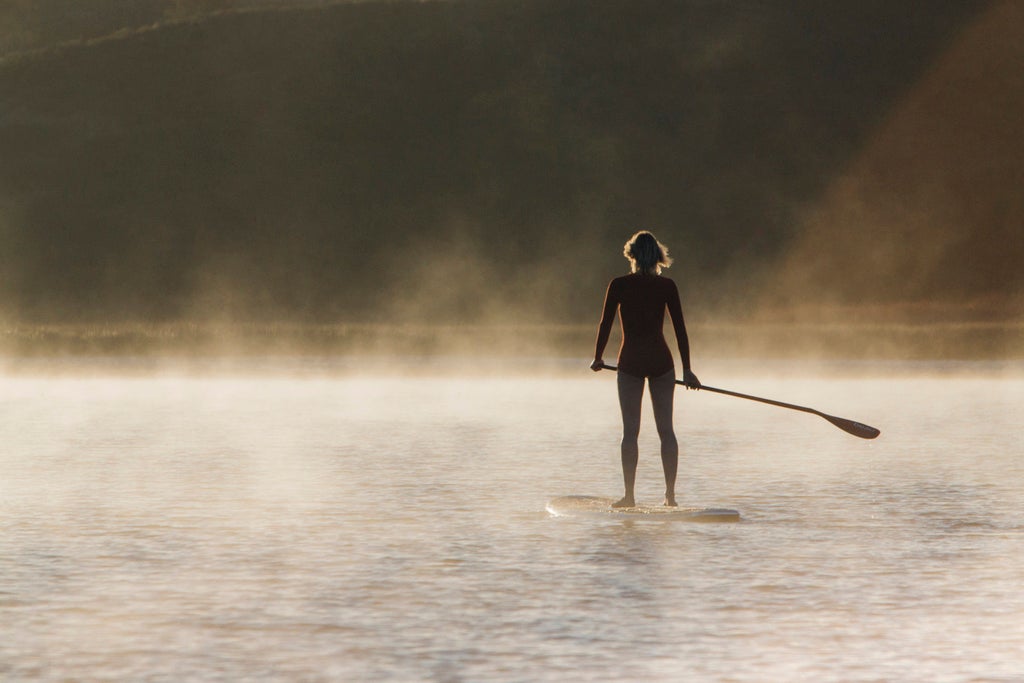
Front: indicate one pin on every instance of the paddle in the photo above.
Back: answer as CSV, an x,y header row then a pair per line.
x,y
849,426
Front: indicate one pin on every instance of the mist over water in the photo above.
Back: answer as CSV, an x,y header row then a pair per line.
x,y
296,303
351,526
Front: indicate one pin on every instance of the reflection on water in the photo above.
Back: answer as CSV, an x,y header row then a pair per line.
x,y
354,528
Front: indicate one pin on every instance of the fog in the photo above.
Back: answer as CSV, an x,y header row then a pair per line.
x,y
928,212
410,177
297,301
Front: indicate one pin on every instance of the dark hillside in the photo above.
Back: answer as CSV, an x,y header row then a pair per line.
x,y
399,160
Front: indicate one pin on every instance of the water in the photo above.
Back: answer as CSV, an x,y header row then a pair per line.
x,y
327,526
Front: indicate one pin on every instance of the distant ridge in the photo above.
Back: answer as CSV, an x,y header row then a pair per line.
x,y
453,161
39,26
156,23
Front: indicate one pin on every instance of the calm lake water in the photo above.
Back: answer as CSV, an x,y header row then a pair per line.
x,y
310,524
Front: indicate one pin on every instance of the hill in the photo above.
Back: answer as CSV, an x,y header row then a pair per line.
x,y
452,161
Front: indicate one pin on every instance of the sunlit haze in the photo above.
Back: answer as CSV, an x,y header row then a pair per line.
x,y
178,175
298,310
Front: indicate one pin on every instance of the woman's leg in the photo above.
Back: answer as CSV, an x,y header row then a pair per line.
x,y
631,394
662,391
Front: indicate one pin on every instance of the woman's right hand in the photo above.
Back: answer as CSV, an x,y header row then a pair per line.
x,y
690,379
597,365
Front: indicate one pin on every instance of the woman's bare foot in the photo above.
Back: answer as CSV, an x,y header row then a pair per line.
x,y
670,501
625,502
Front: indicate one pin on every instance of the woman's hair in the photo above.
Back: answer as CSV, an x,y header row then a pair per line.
x,y
646,254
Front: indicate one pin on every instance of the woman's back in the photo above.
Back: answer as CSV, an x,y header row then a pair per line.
x,y
641,300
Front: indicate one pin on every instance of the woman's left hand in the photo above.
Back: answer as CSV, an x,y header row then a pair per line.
x,y
690,379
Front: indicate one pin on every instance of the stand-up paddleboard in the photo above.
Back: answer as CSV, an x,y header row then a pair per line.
x,y
590,506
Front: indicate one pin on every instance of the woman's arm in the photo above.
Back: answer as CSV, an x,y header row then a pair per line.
x,y
675,310
611,305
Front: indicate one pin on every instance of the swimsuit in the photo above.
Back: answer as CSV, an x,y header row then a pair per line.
x,y
641,300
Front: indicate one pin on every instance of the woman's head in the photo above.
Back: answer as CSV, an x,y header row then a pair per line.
x,y
646,254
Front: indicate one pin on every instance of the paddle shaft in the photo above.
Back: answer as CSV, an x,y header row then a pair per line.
x,y
858,429
803,409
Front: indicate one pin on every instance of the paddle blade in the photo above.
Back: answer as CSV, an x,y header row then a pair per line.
x,y
852,427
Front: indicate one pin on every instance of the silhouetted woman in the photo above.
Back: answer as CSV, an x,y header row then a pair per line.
x,y
641,299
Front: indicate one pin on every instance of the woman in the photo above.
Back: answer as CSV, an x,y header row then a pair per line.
x,y
641,299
